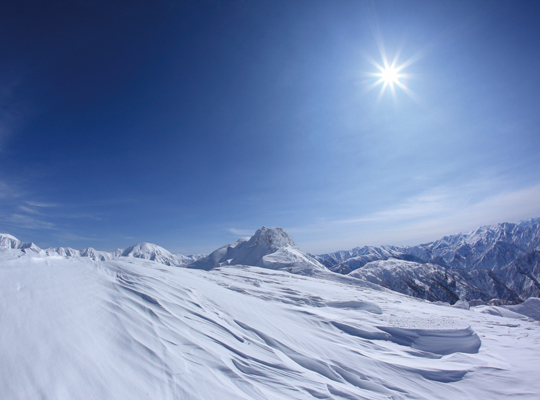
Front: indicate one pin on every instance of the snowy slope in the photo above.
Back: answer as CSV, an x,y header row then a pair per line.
x,y
269,248
426,281
523,275
511,284
74,328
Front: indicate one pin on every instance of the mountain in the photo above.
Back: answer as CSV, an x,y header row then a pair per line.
x,y
271,248
493,263
131,328
435,283
11,242
153,252
523,275
498,263
488,247
426,281
344,261
147,251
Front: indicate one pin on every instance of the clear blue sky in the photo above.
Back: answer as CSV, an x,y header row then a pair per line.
x,y
192,123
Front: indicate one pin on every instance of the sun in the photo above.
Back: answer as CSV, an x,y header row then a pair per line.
x,y
390,75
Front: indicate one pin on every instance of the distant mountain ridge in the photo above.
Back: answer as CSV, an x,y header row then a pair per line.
x,y
271,248
498,263
492,262
143,250
488,247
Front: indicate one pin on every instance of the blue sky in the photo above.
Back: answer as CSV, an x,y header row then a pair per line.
x,y
189,124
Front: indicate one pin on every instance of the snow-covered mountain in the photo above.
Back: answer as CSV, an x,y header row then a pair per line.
x,y
131,328
492,262
523,275
153,252
271,248
488,247
426,281
345,261
147,251
241,323
11,242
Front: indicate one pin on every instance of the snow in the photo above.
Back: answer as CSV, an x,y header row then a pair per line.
x,y
147,251
74,327
270,248
530,308
488,247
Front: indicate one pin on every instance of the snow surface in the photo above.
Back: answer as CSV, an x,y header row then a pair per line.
x,y
530,308
131,328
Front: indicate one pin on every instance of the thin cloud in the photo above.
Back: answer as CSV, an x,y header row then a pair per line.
x,y
41,205
37,208
420,206
426,217
28,222
29,210
8,191
241,232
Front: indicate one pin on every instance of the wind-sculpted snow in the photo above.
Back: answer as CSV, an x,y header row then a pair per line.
x,y
75,328
529,308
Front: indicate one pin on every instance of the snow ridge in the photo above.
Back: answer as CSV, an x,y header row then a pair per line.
x,y
131,328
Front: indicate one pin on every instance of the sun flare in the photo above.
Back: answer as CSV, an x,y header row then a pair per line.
x,y
390,74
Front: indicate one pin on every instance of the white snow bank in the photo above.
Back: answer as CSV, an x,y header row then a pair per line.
x,y
499,311
434,341
530,308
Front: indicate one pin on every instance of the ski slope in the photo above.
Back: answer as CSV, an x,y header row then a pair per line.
x,y
76,328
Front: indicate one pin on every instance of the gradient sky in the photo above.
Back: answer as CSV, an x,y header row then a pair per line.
x,y
192,123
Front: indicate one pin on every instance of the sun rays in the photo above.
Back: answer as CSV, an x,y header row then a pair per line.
x,y
390,75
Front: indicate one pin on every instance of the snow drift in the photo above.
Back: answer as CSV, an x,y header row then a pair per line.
x,y
75,325
134,328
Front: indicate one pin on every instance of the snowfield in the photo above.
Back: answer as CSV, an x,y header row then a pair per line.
x,y
132,328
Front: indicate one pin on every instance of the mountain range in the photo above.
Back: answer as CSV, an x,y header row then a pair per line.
x,y
260,319
147,251
497,264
